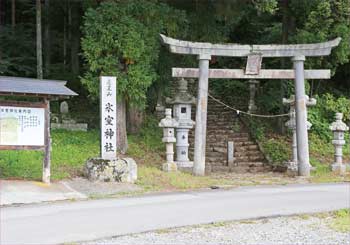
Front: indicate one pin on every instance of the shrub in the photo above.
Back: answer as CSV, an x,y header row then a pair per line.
x,y
322,115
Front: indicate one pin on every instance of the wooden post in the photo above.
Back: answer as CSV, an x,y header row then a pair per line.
x,y
47,150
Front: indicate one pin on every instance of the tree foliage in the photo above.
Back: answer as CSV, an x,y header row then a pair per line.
x,y
17,53
325,20
121,38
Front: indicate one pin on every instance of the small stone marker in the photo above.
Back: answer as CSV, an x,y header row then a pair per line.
x,y
339,128
230,153
64,108
168,124
109,167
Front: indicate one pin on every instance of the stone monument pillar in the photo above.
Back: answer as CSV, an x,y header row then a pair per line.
x,y
182,104
252,108
339,128
168,124
109,167
291,124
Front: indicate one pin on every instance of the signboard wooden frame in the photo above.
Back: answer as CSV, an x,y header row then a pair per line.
x,y
46,148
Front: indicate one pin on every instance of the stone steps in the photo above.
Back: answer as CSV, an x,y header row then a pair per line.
x,y
222,126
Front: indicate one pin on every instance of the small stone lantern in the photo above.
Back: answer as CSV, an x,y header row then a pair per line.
x,y
339,128
168,124
182,104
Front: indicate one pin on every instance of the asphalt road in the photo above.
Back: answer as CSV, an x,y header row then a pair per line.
x,y
89,220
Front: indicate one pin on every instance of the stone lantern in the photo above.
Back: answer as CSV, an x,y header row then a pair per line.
x,y
168,124
339,128
182,105
291,125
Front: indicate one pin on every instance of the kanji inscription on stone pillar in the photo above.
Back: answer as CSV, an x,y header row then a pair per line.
x,y
108,111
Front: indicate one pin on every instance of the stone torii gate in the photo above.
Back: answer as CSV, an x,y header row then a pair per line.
x,y
254,54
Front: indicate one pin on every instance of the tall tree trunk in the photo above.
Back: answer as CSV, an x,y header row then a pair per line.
x,y
1,15
122,139
64,41
134,119
13,13
47,43
75,37
39,51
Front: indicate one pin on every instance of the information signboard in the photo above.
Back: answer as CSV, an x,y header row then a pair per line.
x,y
22,126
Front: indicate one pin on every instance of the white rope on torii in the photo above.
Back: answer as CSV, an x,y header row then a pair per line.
x,y
244,112
254,54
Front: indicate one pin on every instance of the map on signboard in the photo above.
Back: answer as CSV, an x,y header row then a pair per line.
x,y
22,126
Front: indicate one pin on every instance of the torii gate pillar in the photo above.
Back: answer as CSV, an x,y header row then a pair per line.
x,y
301,117
201,116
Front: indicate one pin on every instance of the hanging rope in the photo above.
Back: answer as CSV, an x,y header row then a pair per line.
x,y
246,113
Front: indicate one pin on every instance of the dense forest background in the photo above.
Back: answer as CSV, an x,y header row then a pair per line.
x,y
82,39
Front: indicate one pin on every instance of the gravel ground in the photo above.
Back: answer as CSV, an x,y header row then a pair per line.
x,y
282,230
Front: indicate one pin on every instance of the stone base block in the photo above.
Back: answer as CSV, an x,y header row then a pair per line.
x,y
186,169
116,170
184,164
292,169
70,126
338,168
169,167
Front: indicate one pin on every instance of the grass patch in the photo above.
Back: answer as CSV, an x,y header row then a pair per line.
x,y
278,148
322,156
153,178
323,173
341,221
304,216
70,150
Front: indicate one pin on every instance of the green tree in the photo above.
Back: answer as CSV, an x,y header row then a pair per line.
x,y
121,38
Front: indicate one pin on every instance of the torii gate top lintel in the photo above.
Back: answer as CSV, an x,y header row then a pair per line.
x,y
242,50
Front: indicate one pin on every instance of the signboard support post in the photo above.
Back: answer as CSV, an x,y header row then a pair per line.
x,y
47,151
